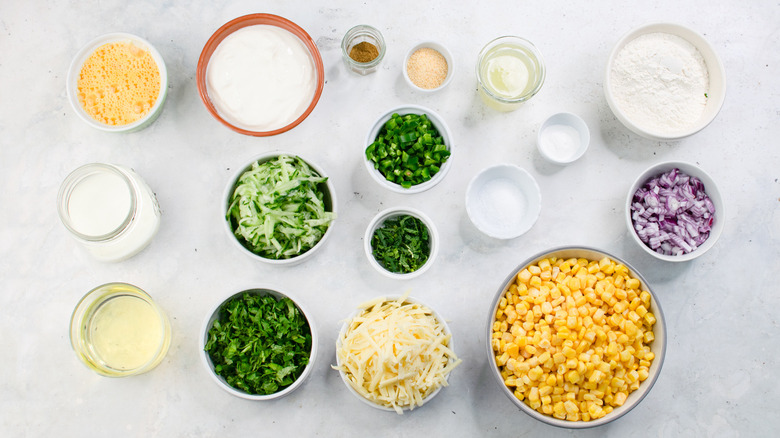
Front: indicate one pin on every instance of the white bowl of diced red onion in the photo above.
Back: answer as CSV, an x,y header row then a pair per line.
x,y
674,211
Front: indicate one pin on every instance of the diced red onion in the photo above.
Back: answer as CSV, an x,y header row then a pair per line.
x,y
672,213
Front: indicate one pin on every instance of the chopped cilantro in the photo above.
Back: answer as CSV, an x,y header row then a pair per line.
x,y
259,344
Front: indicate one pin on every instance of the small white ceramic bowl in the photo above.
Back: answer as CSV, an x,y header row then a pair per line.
x,y
563,138
447,57
503,201
440,125
329,199
75,69
717,81
213,315
658,346
343,331
709,187
394,212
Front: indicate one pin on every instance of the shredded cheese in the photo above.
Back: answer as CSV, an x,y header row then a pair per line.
x,y
395,353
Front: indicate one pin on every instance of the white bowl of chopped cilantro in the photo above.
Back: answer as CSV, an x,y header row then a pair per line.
x,y
408,149
400,342
279,208
674,211
259,344
401,242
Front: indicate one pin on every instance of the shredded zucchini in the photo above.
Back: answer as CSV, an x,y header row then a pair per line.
x,y
277,208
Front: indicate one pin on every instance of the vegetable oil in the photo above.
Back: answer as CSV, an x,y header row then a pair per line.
x,y
117,330
510,71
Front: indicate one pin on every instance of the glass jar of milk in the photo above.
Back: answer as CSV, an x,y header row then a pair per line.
x,y
109,209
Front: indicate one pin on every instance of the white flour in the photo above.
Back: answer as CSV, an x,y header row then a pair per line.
x,y
660,81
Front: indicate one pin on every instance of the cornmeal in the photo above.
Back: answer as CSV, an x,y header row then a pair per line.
x,y
119,83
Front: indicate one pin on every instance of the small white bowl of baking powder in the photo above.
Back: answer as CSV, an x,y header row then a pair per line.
x,y
664,81
563,138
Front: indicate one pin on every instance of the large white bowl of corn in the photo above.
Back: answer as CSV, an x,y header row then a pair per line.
x,y
577,337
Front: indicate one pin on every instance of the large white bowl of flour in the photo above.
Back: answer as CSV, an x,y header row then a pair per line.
x,y
664,81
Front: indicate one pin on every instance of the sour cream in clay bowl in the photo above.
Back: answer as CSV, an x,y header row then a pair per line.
x,y
249,94
664,82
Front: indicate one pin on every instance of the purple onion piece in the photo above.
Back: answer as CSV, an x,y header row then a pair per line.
x,y
672,213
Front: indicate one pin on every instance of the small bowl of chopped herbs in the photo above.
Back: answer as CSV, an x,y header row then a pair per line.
x,y
401,242
280,208
408,149
259,344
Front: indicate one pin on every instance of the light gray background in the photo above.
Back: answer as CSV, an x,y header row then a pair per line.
x,y
721,372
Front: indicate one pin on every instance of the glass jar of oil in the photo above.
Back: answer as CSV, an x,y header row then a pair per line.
x,y
510,70
117,330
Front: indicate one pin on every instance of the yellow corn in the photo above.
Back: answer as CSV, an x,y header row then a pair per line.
x,y
572,336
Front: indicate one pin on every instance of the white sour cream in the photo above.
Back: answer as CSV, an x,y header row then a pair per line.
x,y
261,78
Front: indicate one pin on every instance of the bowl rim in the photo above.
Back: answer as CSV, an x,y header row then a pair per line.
x,y
535,195
441,126
391,212
570,119
712,192
711,58
443,50
355,312
263,289
634,398
228,191
250,20
83,54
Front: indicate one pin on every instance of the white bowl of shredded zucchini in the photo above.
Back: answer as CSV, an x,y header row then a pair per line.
x,y
279,208
395,353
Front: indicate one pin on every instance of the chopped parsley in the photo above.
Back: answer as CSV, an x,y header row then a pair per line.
x,y
401,244
259,344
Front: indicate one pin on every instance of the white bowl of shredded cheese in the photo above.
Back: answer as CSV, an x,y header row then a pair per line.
x,y
395,353
117,83
664,81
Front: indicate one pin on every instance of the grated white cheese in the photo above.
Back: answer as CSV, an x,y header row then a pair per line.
x,y
395,353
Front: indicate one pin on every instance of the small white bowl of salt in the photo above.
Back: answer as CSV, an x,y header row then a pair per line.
x,y
563,138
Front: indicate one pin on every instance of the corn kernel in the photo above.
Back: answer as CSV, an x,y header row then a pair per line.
x,y
581,331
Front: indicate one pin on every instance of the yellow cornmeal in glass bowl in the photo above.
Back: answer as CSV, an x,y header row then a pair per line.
x,y
119,83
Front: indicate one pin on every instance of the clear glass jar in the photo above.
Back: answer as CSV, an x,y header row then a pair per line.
x,y
510,70
357,35
109,210
117,330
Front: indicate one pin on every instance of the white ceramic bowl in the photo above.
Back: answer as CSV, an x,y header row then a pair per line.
x,y
343,331
717,81
563,138
75,70
658,346
439,48
390,213
440,125
503,201
213,315
329,198
709,187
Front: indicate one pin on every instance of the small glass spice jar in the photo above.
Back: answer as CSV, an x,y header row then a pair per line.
x,y
109,210
363,48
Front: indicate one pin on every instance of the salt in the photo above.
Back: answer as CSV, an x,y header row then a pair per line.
x,y
502,204
560,142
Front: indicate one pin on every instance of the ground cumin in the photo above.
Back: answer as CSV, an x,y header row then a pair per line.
x,y
363,52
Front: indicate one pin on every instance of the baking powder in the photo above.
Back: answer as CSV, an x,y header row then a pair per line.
x,y
660,81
